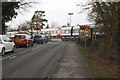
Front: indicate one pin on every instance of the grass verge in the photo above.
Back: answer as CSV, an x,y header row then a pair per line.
x,y
97,68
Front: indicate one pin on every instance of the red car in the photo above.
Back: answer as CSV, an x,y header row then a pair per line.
x,y
23,40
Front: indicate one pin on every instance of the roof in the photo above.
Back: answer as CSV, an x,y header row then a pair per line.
x,y
21,34
2,35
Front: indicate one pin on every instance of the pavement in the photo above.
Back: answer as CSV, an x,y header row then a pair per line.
x,y
57,40
72,65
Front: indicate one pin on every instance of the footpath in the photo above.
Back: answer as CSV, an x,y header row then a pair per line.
x,y
72,64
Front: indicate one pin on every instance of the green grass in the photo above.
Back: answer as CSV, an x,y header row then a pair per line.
x,y
96,69
85,52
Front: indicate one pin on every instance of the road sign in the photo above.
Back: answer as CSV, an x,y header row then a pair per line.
x,y
86,33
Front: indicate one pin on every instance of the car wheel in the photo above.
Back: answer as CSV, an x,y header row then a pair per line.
x,y
3,51
38,42
41,42
13,50
27,45
32,44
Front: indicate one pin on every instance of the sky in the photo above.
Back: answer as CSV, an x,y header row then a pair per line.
x,y
56,11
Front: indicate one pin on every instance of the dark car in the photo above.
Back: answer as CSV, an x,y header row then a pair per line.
x,y
40,39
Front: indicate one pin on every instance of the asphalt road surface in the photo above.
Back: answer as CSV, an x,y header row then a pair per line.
x,y
32,62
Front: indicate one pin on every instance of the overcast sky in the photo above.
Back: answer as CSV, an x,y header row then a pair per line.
x,y
56,11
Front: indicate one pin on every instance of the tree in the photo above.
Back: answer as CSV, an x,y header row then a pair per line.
x,y
9,11
54,24
47,26
25,26
106,16
38,20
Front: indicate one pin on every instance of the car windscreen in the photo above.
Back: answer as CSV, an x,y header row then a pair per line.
x,y
37,36
19,37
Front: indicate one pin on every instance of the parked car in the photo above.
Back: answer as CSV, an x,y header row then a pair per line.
x,y
40,39
23,40
2,49
11,34
6,44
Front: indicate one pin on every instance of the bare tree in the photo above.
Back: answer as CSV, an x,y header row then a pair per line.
x,y
54,24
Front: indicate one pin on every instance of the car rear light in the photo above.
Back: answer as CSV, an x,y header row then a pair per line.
x,y
0,42
26,40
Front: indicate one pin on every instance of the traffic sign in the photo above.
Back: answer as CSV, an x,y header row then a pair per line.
x,y
86,33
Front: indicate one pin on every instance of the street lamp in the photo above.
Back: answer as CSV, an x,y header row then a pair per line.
x,y
0,17
70,17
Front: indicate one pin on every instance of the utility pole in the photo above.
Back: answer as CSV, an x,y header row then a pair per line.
x,y
70,17
0,17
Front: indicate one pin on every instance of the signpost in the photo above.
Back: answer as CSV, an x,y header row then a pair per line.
x,y
86,34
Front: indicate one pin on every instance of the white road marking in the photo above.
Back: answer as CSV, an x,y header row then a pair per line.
x,y
0,59
36,48
33,49
7,57
24,51
12,57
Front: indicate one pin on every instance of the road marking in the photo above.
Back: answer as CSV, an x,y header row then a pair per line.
x,y
24,51
6,57
33,49
12,57
14,54
38,47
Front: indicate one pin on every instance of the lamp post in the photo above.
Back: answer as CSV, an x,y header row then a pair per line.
x,y
0,17
70,17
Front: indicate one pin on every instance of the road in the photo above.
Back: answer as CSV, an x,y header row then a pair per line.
x,y
32,62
